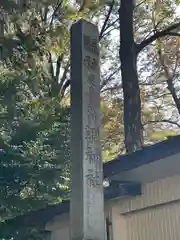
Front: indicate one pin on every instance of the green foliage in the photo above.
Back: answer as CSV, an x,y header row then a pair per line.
x,y
162,135
112,128
34,145
34,78
34,124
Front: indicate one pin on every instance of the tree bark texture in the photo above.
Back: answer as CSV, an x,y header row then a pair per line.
x,y
169,77
174,94
128,57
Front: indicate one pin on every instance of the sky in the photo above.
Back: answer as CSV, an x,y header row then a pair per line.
x,y
178,11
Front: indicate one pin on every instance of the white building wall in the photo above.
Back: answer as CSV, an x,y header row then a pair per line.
x,y
153,216
161,191
157,223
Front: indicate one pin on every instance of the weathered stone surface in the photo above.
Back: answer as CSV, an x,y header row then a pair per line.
x,y
87,206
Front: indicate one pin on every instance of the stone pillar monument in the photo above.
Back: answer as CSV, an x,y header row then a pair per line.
x,y
87,198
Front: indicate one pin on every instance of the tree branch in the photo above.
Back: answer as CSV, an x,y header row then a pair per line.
x,y
112,88
158,34
58,4
62,85
51,70
46,10
169,80
108,79
110,30
140,4
162,121
155,28
174,34
58,66
106,21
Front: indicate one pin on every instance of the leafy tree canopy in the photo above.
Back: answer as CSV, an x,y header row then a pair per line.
x,y
34,84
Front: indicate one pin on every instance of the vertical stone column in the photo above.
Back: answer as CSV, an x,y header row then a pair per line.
x,y
87,200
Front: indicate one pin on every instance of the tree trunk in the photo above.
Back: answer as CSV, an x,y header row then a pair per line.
x,y
128,57
173,93
169,77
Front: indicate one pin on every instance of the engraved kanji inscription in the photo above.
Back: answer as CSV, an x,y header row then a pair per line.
x,y
90,63
92,157
92,80
93,178
91,135
93,97
91,45
92,115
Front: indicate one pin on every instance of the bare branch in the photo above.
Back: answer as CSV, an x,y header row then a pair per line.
x,y
105,81
140,3
63,86
115,21
169,80
155,28
51,70
112,88
152,83
106,21
109,27
65,72
41,15
158,34
174,34
162,121
45,14
58,66
55,12
110,30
